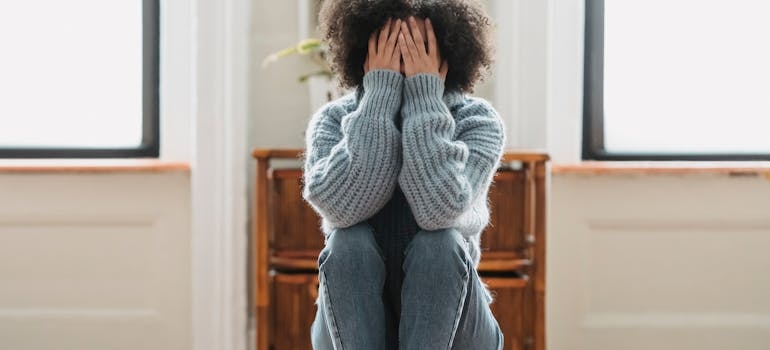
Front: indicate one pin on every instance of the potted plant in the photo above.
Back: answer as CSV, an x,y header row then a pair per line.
x,y
322,83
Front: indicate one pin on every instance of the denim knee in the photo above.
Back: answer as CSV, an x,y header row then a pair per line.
x,y
443,247
352,246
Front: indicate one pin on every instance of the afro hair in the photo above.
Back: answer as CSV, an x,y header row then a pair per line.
x,y
462,31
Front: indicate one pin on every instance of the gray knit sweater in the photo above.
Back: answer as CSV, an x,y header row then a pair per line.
x,y
441,149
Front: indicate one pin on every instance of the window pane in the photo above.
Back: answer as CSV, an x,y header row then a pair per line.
x,y
71,73
687,76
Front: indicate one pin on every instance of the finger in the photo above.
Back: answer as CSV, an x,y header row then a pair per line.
x,y
396,58
383,36
395,26
373,43
443,69
405,53
391,44
410,45
417,36
432,46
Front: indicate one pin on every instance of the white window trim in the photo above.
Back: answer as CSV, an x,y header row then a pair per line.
x,y
539,74
177,74
219,158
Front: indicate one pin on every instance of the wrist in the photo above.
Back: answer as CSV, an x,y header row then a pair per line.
x,y
378,79
423,92
383,90
412,74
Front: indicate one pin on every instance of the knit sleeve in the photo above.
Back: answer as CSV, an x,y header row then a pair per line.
x,y
448,161
352,157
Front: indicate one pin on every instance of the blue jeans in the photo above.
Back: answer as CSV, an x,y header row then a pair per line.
x,y
442,301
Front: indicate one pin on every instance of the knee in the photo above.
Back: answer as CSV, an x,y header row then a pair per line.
x,y
439,248
351,246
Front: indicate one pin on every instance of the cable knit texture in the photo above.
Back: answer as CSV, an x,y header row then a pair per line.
x,y
441,149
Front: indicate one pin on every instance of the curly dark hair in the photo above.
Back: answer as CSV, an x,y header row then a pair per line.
x,y
461,26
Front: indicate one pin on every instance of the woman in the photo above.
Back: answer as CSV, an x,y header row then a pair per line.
x,y
399,172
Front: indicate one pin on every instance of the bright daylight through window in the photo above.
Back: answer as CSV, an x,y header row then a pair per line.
x,y
682,77
77,78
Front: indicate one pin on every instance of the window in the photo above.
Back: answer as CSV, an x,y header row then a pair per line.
x,y
79,78
677,80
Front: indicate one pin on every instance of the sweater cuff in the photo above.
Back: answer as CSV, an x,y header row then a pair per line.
x,y
423,92
382,91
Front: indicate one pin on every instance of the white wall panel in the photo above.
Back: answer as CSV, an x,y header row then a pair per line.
x,y
659,262
95,261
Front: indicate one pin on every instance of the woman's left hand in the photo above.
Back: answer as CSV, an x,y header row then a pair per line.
x,y
417,58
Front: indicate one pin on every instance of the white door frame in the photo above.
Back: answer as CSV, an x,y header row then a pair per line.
x,y
218,176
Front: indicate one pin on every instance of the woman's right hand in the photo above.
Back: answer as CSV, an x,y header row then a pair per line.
x,y
383,52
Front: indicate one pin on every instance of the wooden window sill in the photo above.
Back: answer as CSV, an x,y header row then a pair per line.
x,y
734,168
105,165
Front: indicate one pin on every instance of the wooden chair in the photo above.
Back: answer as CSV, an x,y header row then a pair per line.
x,y
287,240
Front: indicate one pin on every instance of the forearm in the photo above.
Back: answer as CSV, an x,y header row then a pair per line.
x,y
442,175
359,174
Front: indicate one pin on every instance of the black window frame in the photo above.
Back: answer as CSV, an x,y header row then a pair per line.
x,y
150,144
593,102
